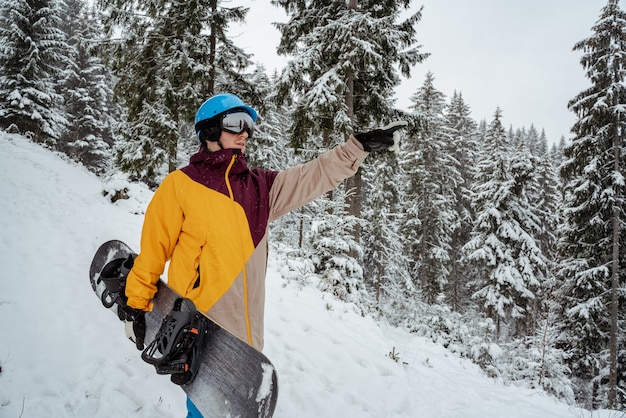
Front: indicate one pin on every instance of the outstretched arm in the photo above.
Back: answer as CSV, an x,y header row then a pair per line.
x,y
299,185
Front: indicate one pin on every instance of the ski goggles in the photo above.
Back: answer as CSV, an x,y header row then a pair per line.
x,y
237,122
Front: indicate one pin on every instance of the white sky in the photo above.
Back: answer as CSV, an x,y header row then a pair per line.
x,y
516,55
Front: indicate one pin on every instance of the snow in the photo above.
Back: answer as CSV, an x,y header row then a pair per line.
x,y
63,355
266,384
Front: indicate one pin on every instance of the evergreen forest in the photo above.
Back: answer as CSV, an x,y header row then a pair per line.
x,y
500,244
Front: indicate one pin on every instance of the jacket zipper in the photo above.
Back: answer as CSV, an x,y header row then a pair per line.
x,y
243,272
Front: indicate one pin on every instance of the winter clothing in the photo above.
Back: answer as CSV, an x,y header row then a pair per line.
x,y
210,220
386,138
192,410
134,324
207,117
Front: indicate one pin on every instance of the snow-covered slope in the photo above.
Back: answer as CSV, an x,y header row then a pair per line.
x,y
63,355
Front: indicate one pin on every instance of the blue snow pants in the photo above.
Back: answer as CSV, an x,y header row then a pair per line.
x,y
192,411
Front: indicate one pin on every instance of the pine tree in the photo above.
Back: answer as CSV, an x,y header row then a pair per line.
x,y
542,148
173,56
592,267
544,197
503,244
333,243
556,152
346,57
464,150
31,48
432,176
87,89
533,141
385,262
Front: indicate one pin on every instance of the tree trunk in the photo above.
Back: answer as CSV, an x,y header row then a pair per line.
x,y
212,48
172,154
613,335
355,182
172,147
453,280
301,229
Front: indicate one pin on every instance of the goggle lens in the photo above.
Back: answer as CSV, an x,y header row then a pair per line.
x,y
237,122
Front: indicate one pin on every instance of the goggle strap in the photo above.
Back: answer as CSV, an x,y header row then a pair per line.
x,y
204,124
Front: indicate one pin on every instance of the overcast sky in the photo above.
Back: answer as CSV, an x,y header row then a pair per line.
x,y
512,54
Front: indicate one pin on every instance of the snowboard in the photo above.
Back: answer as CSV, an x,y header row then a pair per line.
x,y
234,379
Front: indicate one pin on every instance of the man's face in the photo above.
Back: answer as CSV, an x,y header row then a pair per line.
x,y
230,141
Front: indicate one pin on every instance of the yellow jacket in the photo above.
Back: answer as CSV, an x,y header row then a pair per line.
x,y
210,221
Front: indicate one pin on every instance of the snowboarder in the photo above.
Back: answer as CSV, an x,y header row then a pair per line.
x,y
210,219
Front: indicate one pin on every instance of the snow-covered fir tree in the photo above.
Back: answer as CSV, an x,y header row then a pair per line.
x,y
594,235
556,151
430,201
533,141
87,88
385,261
31,56
542,148
548,202
344,66
463,148
503,245
172,56
345,61
340,272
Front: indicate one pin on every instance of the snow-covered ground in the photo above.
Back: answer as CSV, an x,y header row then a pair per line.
x,y
63,355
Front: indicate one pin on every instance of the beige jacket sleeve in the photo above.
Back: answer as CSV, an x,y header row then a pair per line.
x,y
299,185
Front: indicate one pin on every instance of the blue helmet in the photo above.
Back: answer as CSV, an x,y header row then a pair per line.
x,y
221,103
217,105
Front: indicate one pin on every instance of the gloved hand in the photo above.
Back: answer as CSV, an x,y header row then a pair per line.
x,y
386,138
134,325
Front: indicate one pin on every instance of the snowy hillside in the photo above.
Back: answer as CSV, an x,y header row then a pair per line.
x,y
63,355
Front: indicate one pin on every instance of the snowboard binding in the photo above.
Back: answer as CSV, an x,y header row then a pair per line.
x,y
177,346
114,275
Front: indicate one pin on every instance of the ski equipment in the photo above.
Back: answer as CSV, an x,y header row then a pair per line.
x,y
114,275
386,138
218,105
221,374
177,345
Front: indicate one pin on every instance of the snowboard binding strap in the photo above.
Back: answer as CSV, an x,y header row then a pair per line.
x,y
176,347
114,275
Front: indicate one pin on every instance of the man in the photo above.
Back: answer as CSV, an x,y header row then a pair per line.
x,y
210,219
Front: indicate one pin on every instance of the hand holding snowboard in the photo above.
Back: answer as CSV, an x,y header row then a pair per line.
x,y
221,374
134,325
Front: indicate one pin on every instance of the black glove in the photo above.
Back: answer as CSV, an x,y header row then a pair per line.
x,y
134,325
382,139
